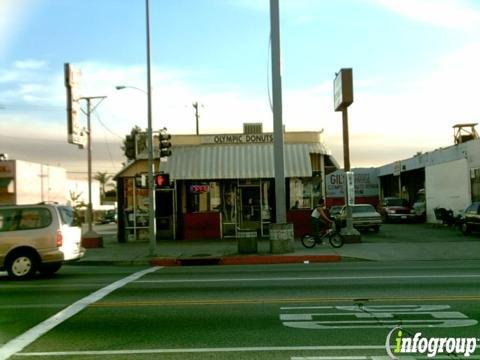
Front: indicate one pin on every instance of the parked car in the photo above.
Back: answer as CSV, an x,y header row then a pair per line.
x,y
108,217
364,217
334,211
37,237
396,209
471,219
420,206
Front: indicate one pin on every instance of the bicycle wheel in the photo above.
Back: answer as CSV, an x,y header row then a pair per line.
x,y
336,240
308,241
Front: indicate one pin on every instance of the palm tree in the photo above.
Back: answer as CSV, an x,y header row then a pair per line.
x,y
103,178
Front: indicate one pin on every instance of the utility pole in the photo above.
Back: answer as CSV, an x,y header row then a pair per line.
x,y
91,234
197,116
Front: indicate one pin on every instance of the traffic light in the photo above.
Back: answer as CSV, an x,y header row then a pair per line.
x,y
162,180
129,144
164,143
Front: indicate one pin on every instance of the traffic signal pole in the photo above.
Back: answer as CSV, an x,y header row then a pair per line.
x,y
152,231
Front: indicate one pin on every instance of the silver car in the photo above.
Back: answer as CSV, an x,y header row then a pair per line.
x,y
37,237
364,217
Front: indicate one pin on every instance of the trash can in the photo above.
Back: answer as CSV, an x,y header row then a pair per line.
x,y
247,242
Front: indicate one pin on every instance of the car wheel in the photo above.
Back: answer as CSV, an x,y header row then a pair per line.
x,y
22,265
376,229
385,218
465,229
50,269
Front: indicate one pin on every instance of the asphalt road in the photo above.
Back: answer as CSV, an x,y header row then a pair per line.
x,y
306,311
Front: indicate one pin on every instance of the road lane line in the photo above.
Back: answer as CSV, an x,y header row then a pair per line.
x,y
201,302
20,342
336,278
202,350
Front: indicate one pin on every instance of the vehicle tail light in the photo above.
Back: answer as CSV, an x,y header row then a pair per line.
x,y
59,239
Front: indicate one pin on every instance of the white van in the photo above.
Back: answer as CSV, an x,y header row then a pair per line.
x,y
37,237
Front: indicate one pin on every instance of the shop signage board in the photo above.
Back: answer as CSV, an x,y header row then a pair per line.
x,y
366,183
199,188
397,168
343,89
76,133
229,139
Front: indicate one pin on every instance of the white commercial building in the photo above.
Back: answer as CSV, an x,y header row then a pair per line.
x,y
23,182
450,177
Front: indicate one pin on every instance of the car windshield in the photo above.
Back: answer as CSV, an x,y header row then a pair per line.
x,y
363,209
395,202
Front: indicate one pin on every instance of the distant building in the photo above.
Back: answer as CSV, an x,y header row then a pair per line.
x,y
450,177
23,182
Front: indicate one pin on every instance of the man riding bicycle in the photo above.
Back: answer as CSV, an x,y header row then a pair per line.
x,y
320,221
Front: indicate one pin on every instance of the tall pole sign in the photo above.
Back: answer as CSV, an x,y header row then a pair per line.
x,y
342,99
76,134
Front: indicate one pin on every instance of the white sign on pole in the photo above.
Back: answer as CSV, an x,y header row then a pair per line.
x,y
350,187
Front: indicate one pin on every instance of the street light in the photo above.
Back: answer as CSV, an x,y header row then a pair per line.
x,y
152,234
122,87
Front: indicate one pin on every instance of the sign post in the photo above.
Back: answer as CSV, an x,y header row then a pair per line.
x,y
343,98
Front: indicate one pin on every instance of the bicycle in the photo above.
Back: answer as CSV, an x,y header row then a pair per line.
x,y
332,234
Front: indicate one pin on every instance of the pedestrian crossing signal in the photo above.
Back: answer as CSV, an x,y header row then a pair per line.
x,y
162,180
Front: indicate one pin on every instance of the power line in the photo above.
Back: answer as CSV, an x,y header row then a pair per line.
x,y
106,128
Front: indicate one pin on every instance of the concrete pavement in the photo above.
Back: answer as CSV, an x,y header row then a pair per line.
x,y
394,242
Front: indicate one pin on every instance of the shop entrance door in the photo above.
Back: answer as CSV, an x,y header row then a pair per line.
x,y
249,209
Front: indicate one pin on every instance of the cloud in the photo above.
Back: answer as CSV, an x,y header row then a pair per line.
x,y
30,64
385,125
453,14
13,15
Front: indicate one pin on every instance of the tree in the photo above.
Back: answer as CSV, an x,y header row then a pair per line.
x,y
78,208
129,143
103,178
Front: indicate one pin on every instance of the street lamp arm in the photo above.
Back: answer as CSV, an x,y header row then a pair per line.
x,y
122,87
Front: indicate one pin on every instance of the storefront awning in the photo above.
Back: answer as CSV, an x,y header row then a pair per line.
x,y
238,161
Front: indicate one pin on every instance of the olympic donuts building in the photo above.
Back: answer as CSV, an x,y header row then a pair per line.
x,y
217,185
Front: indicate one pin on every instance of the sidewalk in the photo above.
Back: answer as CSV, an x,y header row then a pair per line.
x,y
444,245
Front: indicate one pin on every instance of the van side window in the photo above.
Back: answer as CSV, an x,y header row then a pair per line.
x,y
34,218
9,219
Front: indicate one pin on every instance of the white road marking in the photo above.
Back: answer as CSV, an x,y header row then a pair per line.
x,y
336,278
20,342
369,357
202,350
330,358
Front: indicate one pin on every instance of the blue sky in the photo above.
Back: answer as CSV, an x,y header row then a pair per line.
x,y
415,67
